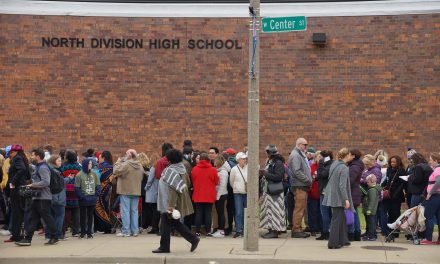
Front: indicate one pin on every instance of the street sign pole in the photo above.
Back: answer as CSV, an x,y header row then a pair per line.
x,y
250,241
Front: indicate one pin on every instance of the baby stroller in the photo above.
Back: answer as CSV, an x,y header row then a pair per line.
x,y
411,221
115,215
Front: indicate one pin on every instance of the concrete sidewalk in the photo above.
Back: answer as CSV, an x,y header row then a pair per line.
x,y
112,249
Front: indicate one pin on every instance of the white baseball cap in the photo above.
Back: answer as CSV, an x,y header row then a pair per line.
x,y
240,155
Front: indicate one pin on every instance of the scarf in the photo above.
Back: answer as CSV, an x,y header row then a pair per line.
x,y
171,176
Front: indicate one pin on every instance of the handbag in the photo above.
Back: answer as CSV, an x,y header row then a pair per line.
x,y
349,217
275,188
386,193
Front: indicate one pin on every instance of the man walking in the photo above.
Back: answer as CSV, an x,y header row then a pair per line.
x,y
41,201
302,180
129,173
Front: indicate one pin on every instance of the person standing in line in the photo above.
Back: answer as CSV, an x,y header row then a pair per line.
x,y
222,195
58,207
41,202
432,203
87,188
302,180
103,222
355,168
338,197
323,172
70,169
272,207
394,185
204,180
151,199
174,202
238,181
370,206
129,173
418,181
409,171
19,175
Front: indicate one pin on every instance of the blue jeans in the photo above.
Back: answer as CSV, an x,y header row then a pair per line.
x,y
326,214
58,212
240,201
432,212
415,200
130,215
314,215
356,226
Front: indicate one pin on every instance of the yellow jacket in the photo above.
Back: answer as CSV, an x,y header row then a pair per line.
x,y
5,169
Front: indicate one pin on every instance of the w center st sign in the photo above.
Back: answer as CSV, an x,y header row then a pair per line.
x,y
283,24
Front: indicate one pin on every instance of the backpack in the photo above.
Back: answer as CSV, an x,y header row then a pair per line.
x,y
56,180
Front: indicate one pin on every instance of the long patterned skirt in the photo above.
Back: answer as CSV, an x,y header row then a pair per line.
x,y
273,213
103,220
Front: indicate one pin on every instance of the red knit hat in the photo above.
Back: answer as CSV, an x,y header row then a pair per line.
x,y
17,148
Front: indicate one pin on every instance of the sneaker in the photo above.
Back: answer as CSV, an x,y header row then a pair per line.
x,y
82,237
135,234
366,238
52,241
63,238
75,235
392,225
218,234
198,234
23,242
122,235
89,236
427,242
5,233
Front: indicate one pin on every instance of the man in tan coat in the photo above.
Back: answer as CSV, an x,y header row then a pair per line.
x,y
129,172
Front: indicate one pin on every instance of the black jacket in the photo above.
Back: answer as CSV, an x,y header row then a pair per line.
x,y
18,172
396,189
322,174
418,180
275,171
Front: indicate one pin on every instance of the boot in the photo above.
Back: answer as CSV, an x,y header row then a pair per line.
x,y
350,236
324,236
357,236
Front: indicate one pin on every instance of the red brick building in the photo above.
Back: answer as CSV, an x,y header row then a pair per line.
x,y
115,76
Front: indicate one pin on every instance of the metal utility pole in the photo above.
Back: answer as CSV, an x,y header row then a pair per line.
x,y
250,242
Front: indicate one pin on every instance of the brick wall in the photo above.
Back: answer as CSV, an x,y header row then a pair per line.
x,y
375,85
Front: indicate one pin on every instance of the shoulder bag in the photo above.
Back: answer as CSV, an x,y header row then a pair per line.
x,y
386,192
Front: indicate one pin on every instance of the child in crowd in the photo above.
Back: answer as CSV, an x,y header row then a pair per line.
x,y
370,203
87,188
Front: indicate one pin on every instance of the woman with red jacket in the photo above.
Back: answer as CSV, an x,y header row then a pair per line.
x,y
204,179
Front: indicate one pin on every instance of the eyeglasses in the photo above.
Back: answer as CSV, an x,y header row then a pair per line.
x,y
304,144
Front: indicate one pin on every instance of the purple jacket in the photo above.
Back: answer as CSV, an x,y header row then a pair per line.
x,y
355,169
373,170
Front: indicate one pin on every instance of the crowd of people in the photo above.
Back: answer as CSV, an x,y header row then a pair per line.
x,y
193,193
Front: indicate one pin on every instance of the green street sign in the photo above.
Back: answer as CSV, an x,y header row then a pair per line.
x,y
283,24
